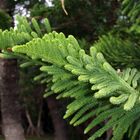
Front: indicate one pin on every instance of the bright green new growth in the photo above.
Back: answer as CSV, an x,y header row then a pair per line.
x,y
91,68
85,78
103,84
24,32
96,87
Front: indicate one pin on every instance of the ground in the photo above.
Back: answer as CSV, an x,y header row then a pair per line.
x,y
35,138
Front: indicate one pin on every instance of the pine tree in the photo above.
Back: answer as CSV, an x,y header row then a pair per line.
x,y
12,128
103,83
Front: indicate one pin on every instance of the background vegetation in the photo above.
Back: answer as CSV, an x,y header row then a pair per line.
x,y
87,21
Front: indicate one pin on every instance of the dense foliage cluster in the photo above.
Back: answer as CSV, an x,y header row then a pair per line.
x,y
103,83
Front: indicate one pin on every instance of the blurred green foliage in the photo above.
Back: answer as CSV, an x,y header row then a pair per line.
x,y
86,18
5,20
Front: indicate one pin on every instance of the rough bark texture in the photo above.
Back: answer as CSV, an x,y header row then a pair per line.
x,y
10,107
59,124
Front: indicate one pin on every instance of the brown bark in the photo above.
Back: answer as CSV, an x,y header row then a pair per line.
x,y
10,107
59,124
3,4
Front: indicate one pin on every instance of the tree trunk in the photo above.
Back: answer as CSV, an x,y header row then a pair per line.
x,y
3,4
59,124
10,108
